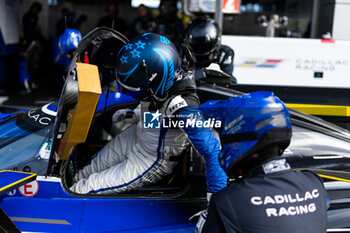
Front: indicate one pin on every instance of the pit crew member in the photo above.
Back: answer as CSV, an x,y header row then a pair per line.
x,y
267,196
203,37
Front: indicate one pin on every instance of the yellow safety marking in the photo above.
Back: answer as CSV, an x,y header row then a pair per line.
x,y
18,181
334,178
321,110
321,175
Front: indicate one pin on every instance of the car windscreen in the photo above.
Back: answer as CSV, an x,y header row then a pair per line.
x,y
22,136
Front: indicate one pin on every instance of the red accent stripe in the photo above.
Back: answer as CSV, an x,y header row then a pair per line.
x,y
59,148
272,61
327,41
86,58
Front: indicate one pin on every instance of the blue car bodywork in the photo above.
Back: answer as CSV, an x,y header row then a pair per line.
x,y
52,209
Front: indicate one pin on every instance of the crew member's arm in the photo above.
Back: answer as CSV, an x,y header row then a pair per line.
x,y
225,60
221,217
207,145
213,223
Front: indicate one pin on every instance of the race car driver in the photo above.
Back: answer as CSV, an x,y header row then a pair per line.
x,y
267,195
203,37
148,69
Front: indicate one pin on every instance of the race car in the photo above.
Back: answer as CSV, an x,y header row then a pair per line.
x,y
81,125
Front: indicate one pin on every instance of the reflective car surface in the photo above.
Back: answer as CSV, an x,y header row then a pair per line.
x,y
25,139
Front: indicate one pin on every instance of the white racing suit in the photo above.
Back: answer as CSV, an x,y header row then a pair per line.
x,y
139,156
134,158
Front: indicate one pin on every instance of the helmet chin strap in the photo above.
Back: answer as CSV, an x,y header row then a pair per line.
x,y
153,98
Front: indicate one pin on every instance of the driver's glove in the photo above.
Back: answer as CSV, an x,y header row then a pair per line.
x,y
202,216
126,116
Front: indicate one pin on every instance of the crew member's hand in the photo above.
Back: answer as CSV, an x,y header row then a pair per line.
x,y
202,216
125,115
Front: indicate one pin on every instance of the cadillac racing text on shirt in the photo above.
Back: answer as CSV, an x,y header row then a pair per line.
x,y
297,201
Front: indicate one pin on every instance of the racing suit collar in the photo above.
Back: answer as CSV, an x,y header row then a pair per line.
x,y
269,166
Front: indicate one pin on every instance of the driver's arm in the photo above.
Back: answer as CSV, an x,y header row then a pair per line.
x,y
207,145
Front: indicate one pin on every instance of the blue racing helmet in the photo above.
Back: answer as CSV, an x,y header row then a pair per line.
x,y
69,40
146,67
250,123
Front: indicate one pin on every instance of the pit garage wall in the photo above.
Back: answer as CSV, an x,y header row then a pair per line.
x,y
290,62
94,10
341,20
299,71
9,31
